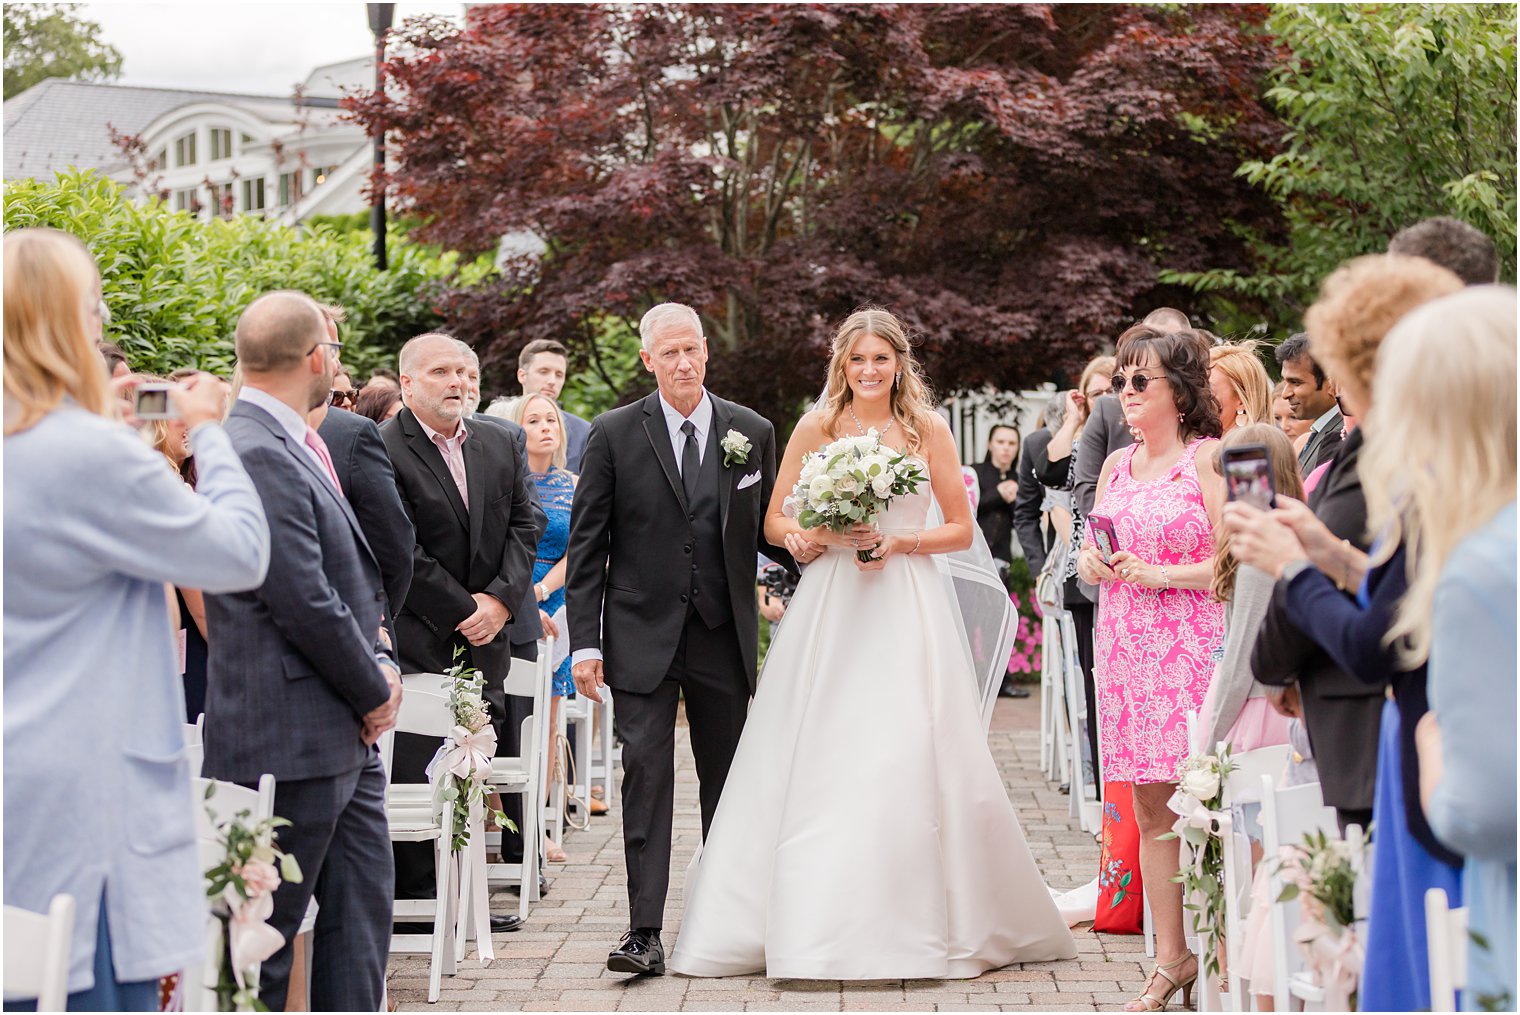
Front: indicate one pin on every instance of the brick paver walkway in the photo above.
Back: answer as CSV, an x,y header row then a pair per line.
x,y
557,962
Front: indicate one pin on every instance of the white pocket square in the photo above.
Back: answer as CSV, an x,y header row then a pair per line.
x,y
750,480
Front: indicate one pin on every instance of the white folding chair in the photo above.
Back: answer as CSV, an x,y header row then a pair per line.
x,y
1052,691
1446,941
1242,786
409,811
225,801
195,741
1086,798
37,954
1287,815
523,775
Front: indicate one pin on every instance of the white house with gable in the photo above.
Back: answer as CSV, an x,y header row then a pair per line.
x,y
208,153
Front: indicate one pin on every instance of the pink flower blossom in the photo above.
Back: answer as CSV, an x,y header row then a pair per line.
x,y
260,876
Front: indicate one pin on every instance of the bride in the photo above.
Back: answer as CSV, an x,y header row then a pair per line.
x,y
864,832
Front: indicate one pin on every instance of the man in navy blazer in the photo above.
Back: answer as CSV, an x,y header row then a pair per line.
x,y
541,369
299,683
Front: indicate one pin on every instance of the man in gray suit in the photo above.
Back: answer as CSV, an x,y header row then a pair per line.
x,y
300,684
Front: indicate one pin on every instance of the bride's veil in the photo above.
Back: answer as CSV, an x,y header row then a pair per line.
x,y
986,621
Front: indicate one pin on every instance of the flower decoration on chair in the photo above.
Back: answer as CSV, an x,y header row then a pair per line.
x,y
1321,874
241,888
850,482
462,765
1198,802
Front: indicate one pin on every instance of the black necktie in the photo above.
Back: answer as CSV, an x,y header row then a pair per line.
x,y
691,462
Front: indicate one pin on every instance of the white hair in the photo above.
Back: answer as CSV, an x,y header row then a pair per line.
x,y
501,408
469,351
663,315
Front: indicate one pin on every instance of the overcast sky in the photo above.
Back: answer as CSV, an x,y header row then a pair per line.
x,y
256,48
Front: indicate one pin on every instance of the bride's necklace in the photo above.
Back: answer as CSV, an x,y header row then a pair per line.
x,y
881,436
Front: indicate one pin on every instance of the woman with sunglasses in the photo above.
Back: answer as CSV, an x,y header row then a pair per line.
x,y
1158,626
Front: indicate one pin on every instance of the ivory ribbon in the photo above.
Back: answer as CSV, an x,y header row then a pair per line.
x,y
466,754
1335,955
250,938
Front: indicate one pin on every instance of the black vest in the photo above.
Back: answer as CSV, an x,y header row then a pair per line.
x,y
709,578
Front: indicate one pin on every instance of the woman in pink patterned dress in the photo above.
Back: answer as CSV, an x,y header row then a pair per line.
x,y
1158,627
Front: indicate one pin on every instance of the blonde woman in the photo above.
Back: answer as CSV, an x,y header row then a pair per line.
x,y
1447,374
94,528
921,869
539,417
1240,385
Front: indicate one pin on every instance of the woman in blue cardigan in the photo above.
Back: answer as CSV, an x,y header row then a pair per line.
x,y
97,783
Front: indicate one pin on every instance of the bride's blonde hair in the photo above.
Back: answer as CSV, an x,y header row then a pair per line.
x,y
912,401
1441,446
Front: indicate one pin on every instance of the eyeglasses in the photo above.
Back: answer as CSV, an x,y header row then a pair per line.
x,y
339,397
336,347
1139,382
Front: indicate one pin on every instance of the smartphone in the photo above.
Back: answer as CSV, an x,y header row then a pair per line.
x,y
1102,528
152,402
1247,472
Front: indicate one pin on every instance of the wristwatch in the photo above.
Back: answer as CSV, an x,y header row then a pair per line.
x,y
1293,567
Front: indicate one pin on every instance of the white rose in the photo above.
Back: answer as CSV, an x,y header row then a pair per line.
x,y
1202,783
846,486
821,486
882,485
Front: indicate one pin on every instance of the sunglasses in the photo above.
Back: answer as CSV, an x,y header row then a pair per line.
x,y
1139,382
339,397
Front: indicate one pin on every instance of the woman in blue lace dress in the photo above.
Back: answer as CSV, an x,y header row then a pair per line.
x,y
538,415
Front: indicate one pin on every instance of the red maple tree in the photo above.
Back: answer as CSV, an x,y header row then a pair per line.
x,y
1007,178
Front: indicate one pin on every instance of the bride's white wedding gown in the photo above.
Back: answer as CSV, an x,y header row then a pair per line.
x,y
864,832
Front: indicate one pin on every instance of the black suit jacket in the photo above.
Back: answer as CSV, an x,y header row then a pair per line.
x,y
365,471
487,547
1104,433
525,628
293,665
1342,713
1031,494
993,513
628,582
1321,446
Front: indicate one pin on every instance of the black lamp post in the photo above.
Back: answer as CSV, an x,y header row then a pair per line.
x,y
380,16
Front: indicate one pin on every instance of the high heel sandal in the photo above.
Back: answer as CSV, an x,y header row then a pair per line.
x,y
1150,1002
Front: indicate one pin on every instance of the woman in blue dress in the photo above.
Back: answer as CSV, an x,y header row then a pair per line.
x,y
539,417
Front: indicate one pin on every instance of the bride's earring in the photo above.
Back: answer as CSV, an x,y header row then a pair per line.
x,y
897,381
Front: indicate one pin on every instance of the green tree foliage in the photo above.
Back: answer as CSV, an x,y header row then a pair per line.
x,y
51,41
1396,112
175,285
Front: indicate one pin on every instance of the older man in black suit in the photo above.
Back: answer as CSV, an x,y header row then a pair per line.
x,y
299,685
468,493
655,496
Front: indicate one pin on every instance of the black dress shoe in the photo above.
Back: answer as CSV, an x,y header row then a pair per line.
x,y
505,924
639,953
543,887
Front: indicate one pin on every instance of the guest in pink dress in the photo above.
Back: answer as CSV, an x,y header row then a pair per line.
x,y
1158,626
1236,709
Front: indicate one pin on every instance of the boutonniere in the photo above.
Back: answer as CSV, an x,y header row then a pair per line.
x,y
735,448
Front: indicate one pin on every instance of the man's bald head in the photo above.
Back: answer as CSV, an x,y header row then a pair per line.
x,y
277,331
415,348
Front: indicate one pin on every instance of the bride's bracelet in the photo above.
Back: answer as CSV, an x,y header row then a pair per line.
x,y
918,540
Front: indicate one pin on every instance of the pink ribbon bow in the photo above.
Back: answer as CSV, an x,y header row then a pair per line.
x,y
468,755
250,938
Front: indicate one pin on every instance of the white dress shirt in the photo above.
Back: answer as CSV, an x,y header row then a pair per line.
x,y
290,421
702,419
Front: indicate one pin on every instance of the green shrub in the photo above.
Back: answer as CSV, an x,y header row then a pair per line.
x,y
175,285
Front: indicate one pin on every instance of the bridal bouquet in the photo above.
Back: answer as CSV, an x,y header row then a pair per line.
x,y
851,482
466,754
241,888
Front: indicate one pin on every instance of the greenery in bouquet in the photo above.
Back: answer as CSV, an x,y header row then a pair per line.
x,y
850,482
241,889
466,755
1197,801
1321,874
